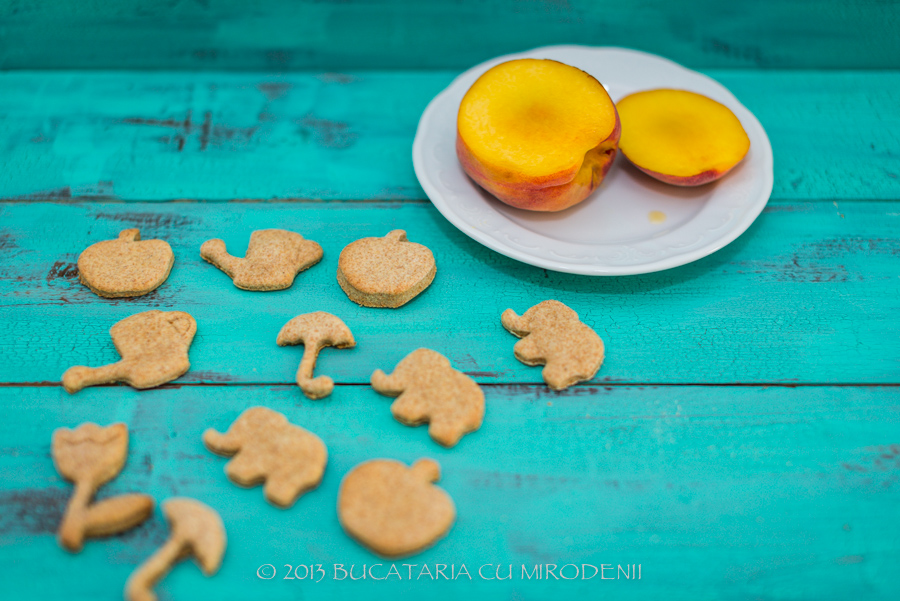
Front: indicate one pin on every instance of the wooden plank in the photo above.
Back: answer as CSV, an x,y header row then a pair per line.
x,y
810,294
308,34
214,136
717,492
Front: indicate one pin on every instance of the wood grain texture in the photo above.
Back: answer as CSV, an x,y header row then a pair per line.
x,y
277,35
719,493
810,294
211,136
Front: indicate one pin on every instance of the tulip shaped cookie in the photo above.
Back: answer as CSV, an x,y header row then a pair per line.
x,y
267,448
429,390
195,530
273,259
385,272
315,331
154,348
553,336
395,510
91,456
127,266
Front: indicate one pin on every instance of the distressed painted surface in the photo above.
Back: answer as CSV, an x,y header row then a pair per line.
x,y
718,492
811,293
310,34
164,136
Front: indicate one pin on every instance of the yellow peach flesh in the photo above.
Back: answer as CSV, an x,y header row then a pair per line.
x,y
537,134
680,137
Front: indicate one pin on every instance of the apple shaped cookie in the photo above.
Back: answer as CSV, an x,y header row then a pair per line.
x,y
395,510
268,448
154,349
385,272
428,389
273,259
553,336
127,266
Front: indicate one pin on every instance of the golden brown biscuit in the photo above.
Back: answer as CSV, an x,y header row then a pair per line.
x,y
272,261
315,331
267,448
127,266
553,336
195,530
385,272
428,389
90,456
154,349
395,510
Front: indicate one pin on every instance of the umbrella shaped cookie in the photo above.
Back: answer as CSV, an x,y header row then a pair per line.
x,y
315,331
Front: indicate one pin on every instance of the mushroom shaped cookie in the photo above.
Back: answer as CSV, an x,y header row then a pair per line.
x,y
267,448
154,349
428,389
395,510
385,272
127,266
553,336
315,331
272,261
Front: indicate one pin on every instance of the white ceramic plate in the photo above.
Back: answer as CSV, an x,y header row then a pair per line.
x,y
632,223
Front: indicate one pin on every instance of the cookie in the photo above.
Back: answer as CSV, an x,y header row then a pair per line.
x,y
395,510
429,390
127,266
90,456
272,261
267,448
553,336
195,530
385,272
154,349
315,331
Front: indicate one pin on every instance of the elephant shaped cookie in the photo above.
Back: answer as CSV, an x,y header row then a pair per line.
x,y
267,448
385,272
428,389
154,349
127,266
553,336
395,510
272,261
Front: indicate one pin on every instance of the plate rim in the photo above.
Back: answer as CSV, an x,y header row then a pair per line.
x,y
751,213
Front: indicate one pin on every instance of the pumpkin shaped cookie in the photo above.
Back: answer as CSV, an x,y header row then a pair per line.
x,y
127,266
268,448
154,349
428,389
395,510
385,272
272,261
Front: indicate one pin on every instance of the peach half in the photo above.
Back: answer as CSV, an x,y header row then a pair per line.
x,y
680,137
537,134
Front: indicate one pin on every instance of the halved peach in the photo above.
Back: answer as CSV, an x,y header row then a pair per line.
x,y
537,134
680,137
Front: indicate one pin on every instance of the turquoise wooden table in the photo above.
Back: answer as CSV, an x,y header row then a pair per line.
x,y
741,441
